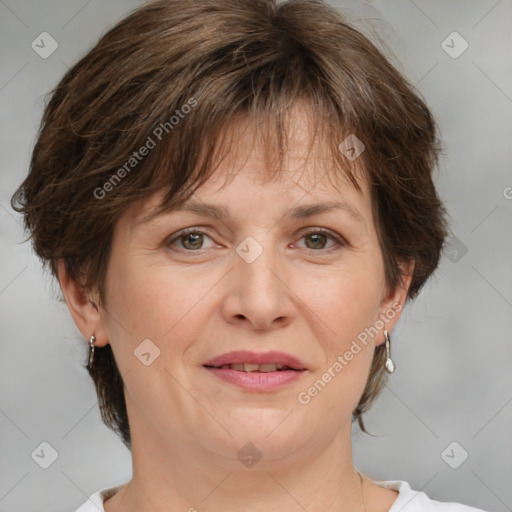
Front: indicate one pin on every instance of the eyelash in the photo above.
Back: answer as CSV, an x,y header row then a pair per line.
x,y
339,240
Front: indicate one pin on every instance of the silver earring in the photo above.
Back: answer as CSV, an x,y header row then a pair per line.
x,y
92,339
390,365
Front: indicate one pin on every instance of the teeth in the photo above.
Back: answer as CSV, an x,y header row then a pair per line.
x,y
253,367
268,368
250,367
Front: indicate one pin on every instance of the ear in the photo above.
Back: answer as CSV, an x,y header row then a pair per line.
x,y
83,307
393,303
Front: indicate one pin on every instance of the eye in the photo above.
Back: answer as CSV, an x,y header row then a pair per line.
x,y
318,237
191,239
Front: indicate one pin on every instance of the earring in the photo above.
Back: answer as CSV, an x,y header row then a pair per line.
x,y
390,365
92,339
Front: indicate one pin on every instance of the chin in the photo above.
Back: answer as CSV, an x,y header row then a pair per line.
x,y
264,424
265,444
260,454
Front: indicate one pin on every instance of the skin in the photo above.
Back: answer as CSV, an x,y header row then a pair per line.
x,y
307,296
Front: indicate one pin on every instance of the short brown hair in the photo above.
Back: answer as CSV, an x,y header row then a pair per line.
x,y
189,68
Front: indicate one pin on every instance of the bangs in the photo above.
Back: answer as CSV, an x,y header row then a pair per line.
x,y
270,132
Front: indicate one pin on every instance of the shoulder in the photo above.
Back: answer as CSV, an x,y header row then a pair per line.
x,y
95,501
409,500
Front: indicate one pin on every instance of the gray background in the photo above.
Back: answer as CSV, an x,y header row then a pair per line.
x,y
452,346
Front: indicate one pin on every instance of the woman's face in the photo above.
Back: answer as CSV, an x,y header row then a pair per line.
x,y
259,279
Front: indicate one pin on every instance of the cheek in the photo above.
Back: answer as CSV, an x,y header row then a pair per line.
x,y
345,304
343,312
154,301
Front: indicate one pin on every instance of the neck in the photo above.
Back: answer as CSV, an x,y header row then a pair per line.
x,y
181,478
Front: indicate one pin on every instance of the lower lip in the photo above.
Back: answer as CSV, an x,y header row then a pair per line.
x,y
257,381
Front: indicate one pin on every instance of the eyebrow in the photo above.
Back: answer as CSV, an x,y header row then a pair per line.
x,y
222,213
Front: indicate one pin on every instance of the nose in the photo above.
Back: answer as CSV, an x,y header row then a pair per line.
x,y
259,295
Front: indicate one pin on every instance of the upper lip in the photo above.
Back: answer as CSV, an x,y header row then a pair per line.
x,y
245,356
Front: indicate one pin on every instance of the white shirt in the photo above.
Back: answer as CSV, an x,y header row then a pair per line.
x,y
406,501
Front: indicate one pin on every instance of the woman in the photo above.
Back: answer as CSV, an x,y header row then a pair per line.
x,y
237,200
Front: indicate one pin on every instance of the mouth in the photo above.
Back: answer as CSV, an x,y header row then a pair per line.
x,y
256,372
247,361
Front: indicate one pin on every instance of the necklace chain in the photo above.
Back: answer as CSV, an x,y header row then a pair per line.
x,y
362,499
